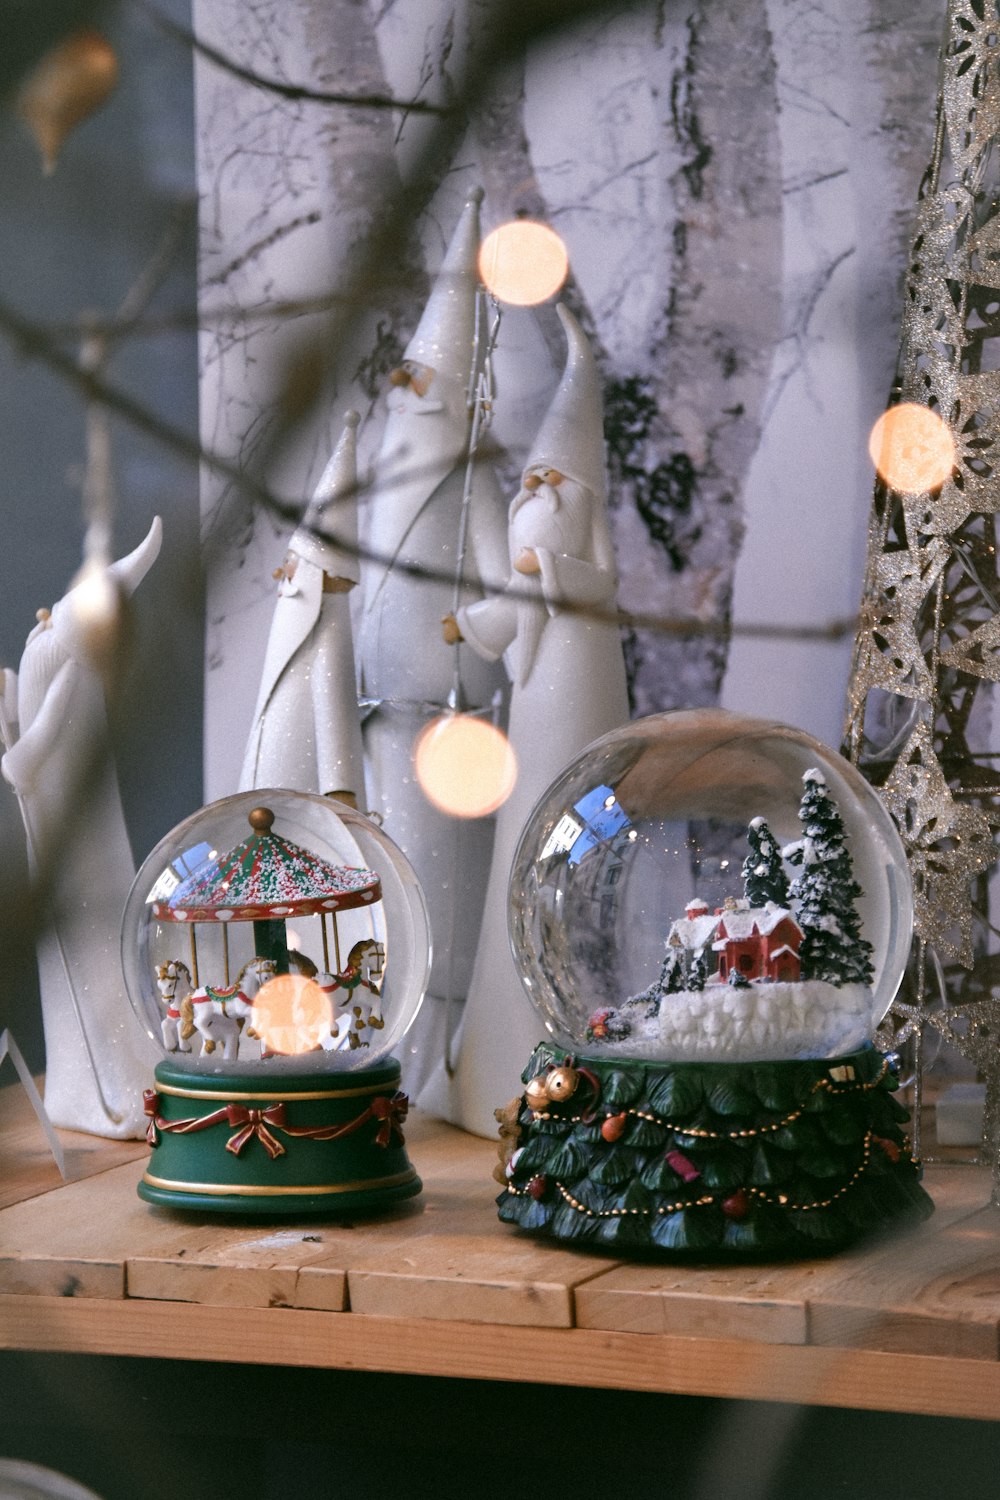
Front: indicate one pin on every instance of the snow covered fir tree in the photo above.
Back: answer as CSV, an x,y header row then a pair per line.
x,y
826,893
736,1105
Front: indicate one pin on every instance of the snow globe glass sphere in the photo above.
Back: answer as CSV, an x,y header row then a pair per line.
x,y
276,946
711,915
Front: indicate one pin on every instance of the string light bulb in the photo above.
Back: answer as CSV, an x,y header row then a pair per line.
x,y
291,1015
465,766
99,610
912,448
523,262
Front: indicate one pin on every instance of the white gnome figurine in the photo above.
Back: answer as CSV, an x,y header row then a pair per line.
x,y
306,733
97,1058
569,688
407,671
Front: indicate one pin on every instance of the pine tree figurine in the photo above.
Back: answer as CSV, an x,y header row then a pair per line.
x,y
764,877
825,893
697,972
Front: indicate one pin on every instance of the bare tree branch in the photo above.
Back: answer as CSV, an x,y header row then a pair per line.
x,y
291,91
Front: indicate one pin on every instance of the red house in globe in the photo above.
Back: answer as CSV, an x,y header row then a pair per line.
x,y
757,942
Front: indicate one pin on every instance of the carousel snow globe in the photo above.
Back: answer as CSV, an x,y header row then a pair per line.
x,y
276,945
711,915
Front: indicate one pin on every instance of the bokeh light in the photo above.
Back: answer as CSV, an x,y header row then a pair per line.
x,y
291,1014
465,766
523,262
912,448
97,608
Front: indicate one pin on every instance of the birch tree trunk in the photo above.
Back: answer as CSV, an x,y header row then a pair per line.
x,y
683,435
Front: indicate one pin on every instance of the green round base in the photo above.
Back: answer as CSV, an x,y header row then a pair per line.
x,y
711,1160
318,1143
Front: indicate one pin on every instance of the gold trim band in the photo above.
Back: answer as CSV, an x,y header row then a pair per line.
x,y
239,1190
286,1098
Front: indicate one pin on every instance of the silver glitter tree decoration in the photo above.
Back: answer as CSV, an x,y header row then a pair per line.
x,y
922,703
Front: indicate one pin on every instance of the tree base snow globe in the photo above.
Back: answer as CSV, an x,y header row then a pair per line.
x,y
276,945
711,914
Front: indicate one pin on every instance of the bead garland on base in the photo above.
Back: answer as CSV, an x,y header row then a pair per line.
x,y
708,1160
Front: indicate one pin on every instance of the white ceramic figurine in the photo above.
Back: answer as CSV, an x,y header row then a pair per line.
x,y
569,688
306,733
97,1060
407,670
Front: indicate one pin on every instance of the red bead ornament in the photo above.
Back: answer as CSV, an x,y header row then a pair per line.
x,y
613,1127
538,1187
888,1148
736,1205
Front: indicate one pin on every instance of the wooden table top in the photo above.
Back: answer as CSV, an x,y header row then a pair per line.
x,y
439,1286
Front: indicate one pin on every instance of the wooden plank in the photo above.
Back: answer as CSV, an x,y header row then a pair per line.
x,y
878,1298
98,1239
745,1303
799,1374
26,1165
443,1255
938,1294
456,1260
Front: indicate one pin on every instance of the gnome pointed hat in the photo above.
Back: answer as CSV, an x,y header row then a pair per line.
x,y
571,438
444,336
328,534
126,573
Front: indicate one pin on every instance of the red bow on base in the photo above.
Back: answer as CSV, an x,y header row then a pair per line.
x,y
254,1122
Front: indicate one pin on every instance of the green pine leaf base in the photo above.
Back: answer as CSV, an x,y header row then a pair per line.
x,y
716,1160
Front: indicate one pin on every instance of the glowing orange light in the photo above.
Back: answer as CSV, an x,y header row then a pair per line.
x,y
465,766
523,262
912,448
291,1014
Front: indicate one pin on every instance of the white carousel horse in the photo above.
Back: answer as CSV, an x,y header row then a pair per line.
x,y
168,981
218,1012
350,990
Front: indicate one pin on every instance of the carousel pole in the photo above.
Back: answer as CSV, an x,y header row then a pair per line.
x,y
194,956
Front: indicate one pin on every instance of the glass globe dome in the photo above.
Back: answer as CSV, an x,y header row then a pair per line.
x,y
701,886
276,932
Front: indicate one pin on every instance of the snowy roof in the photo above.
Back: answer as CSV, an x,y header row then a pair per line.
x,y
741,924
692,932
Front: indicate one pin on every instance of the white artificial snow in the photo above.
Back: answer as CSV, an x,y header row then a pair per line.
x,y
764,1022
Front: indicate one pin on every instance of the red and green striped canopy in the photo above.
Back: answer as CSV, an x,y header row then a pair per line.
x,y
265,878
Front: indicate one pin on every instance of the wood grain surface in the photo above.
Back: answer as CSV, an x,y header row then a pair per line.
x,y
438,1286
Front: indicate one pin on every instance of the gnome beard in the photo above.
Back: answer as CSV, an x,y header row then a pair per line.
x,y
556,518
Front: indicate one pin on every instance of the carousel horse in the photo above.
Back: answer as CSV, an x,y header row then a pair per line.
x,y
218,1012
350,990
168,981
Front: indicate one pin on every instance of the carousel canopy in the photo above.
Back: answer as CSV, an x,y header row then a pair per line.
x,y
267,878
